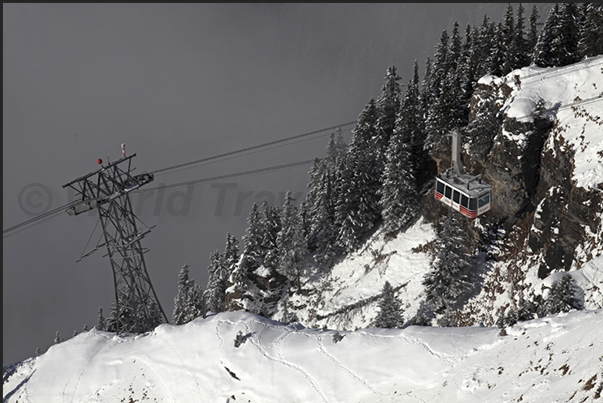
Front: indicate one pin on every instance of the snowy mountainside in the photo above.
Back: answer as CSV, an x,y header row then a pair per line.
x,y
552,191
556,359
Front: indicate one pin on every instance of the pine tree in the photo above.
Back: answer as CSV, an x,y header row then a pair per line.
x,y
510,58
336,151
544,52
424,315
291,244
448,319
426,86
524,50
358,208
231,253
566,44
38,352
101,324
496,58
467,69
591,31
215,291
188,303
324,233
399,191
390,309
252,241
57,338
525,310
271,225
311,204
439,66
412,117
451,276
562,297
511,317
388,105
533,32
85,328
484,42
454,51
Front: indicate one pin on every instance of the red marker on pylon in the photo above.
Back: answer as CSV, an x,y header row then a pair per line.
x,y
123,149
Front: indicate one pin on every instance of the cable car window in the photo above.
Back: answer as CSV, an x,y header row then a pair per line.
x,y
448,192
440,187
484,199
473,203
464,201
456,196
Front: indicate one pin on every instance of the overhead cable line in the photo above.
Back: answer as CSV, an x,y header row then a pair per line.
x,y
242,150
227,176
37,218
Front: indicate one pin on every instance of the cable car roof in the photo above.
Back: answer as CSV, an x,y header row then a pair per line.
x,y
468,184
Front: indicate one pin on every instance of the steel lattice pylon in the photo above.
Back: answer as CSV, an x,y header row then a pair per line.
x,y
137,308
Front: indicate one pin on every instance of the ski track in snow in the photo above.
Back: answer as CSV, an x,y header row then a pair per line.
x,y
343,368
280,359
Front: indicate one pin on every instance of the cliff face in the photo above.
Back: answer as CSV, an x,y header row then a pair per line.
x,y
546,170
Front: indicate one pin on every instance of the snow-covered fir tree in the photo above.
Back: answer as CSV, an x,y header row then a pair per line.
x,y
290,243
399,190
496,58
524,51
532,37
390,309
324,233
424,315
451,276
214,293
319,206
188,303
511,49
525,309
388,104
253,256
270,226
591,31
566,44
101,322
357,208
545,53
562,297
412,125
58,338
448,319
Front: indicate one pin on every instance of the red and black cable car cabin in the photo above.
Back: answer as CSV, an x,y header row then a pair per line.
x,y
464,193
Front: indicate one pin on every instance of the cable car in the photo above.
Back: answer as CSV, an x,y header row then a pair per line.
x,y
462,192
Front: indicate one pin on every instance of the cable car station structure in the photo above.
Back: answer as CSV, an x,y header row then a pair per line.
x,y
461,191
137,308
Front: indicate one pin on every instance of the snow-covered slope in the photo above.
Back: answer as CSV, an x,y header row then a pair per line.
x,y
347,297
555,359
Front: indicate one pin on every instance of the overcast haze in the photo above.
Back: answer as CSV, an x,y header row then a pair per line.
x,y
176,83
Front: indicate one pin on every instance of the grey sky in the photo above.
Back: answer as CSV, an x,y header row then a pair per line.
x,y
176,83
